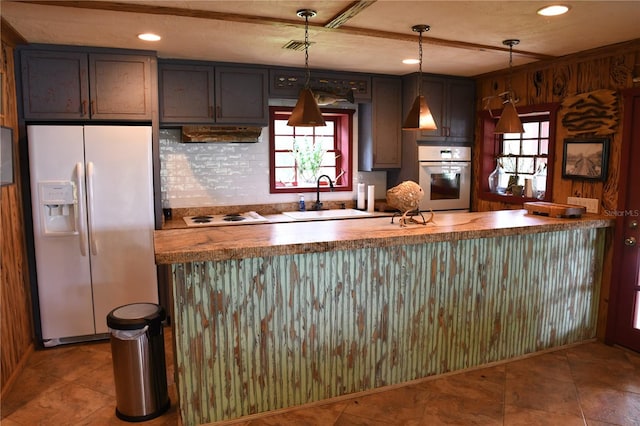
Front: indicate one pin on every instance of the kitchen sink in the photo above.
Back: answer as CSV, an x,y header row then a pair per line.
x,y
327,214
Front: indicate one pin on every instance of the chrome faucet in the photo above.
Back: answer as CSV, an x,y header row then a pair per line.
x,y
318,204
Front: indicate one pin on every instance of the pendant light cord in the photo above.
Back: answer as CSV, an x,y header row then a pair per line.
x,y
510,43
510,71
420,29
420,59
306,52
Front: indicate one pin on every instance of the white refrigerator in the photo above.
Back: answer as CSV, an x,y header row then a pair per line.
x,y
93,223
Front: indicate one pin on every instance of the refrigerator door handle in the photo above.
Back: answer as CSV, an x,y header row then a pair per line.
x,y
92,236
79,213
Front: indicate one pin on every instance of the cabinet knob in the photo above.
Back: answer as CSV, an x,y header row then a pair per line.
x,y
630,241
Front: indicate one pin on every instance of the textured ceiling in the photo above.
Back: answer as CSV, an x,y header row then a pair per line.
x,y
465,37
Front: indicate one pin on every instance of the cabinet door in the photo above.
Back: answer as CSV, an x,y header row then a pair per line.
x,y
387,107
435,93
241,96
186,94
54,85
120,87
462,97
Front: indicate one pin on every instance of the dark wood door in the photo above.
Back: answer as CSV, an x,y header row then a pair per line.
x,y
120,87
460,122
241,96
623,326
55,85
387,105
186,94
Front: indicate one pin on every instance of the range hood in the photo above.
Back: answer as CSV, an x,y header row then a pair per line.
x,y
208,134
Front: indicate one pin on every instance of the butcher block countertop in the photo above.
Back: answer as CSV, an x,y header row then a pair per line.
x,y
272,239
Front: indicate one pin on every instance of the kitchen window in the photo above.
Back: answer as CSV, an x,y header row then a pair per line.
x,y
299,155
521,156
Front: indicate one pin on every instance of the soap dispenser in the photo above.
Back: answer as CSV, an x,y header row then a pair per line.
x,y
301,205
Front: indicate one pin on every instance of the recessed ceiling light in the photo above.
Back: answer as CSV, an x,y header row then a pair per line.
x,y
553,10
149,37
410,61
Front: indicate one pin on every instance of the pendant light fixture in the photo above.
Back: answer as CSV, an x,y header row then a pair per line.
x,y
509,121
306,112
419,117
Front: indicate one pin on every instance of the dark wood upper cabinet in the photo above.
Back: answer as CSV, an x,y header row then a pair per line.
x,y
186,93
452,104
55,85
73,85
208,94
379,122
120,87
242,95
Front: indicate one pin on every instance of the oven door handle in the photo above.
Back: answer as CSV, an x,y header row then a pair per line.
x,y
445,163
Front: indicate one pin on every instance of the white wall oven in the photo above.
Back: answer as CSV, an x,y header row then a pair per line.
x,y
445,177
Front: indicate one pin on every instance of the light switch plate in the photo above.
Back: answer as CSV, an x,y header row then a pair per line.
x,y
592,204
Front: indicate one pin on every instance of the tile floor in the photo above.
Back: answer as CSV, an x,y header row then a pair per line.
x,y
588,384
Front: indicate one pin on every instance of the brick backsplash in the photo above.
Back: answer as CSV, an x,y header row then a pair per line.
x,y
228,174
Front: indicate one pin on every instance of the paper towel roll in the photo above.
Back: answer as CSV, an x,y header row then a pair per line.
x,y
361,196
371,198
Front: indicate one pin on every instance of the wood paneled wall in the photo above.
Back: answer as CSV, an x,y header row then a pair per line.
x,y
16,336
612,68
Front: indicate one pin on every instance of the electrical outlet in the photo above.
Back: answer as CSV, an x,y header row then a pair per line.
x,y
592,204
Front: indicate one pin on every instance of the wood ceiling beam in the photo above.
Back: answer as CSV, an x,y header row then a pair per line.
x,y
279,22
349,12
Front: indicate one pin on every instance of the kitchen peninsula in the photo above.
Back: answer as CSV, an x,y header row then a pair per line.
x,y
275,315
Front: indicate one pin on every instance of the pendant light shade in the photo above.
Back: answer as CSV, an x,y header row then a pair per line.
x,y
419,117
509,121
306,112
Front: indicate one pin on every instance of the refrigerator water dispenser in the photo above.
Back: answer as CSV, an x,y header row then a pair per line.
x,y
59,206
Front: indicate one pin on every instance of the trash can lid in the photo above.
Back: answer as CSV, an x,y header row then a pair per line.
x,y
135,316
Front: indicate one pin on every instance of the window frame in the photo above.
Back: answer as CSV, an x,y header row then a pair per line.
x,y
343,119
491,147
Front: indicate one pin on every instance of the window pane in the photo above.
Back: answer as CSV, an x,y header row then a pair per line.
x,y
285,159
530,147
280,127
284,177
509,164
544,146
304,132
283,143
525,165
326,142
544,129
327,130
531,129
329,159
511,147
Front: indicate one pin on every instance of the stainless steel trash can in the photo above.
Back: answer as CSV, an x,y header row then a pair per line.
x,y
139,369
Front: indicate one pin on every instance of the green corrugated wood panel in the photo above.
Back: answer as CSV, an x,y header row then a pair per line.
x,y
265,333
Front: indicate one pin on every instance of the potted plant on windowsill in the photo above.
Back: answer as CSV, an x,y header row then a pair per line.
x,y
308,157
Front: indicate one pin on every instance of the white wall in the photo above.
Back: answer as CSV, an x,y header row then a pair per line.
x,y
221,174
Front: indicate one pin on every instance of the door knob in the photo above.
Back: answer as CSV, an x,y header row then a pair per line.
x,y
630,241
